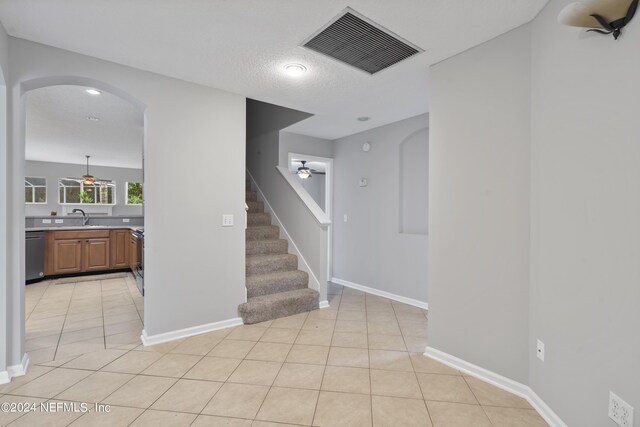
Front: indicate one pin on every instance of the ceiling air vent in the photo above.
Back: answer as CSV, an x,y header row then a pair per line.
x,y
356,40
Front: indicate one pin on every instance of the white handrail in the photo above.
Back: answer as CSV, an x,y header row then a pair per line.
x,y
314,208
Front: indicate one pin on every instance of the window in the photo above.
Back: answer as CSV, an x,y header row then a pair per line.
x,y
35,190
75,191
134,193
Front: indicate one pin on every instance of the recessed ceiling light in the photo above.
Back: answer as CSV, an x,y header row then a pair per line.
x,y
93,92
295,70
364,119
93,118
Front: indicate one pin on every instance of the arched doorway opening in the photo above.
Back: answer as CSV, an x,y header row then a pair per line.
x,y
20,339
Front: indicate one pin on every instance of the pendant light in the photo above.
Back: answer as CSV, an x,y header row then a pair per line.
x,y
304,172
88,179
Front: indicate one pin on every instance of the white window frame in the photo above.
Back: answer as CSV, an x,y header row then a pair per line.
x,y
60,202
126,193
34,192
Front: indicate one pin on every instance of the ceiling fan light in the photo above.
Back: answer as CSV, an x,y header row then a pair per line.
x,y
304,173
88,179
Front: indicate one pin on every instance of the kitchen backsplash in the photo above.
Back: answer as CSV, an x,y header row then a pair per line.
x,y
76,221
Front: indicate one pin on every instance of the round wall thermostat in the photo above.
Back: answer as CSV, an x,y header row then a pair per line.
x,y
366,147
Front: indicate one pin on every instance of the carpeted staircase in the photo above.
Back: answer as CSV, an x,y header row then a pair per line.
x,y
275,286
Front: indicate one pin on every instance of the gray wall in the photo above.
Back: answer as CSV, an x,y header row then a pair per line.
x,y
316,187
194,275
302,144
53,171
369,248
479,205
548,150
263,155
5,273
585,212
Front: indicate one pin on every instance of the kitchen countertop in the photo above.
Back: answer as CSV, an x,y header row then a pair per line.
x,y
88,227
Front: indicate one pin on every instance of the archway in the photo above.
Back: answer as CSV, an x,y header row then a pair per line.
x,y
15,328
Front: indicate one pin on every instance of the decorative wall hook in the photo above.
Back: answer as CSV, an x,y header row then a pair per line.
x,y
600,16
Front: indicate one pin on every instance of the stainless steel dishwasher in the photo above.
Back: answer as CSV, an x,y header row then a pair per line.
x,y
34,255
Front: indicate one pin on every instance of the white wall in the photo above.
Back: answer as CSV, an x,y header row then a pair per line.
x,y
4,161
479,205
585,213
369,248
53,171
194,274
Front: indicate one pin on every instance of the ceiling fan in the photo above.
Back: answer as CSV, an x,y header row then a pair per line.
x,y
304,172
89,179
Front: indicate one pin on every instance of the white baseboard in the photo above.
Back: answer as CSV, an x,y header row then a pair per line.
x,y
314,283
15,370
499,381
373,291
324,304
188,332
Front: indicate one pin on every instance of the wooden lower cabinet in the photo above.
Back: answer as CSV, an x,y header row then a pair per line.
x,y
120,248
67,256
78,251
133,252
96,255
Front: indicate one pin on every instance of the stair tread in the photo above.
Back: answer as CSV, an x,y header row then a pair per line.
x,y
283,296
274,257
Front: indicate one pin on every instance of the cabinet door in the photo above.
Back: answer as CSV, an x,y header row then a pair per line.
x,y
120,248
96,254
133,253
67,256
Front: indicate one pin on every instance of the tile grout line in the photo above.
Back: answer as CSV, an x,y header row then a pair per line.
x,y
414,369
63,323
324,370
278,373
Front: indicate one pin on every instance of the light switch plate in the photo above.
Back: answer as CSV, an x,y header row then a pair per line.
x,y
227,220
46,221
126,220
59,221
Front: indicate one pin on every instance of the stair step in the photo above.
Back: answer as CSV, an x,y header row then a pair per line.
x,y
268,307
251,196
261,218
257,264
266,247
262,232
255,207
276,282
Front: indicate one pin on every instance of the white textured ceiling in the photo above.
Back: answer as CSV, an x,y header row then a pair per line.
x,y
57,128
241,46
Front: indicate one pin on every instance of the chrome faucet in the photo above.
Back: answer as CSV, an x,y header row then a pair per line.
x,y
85,218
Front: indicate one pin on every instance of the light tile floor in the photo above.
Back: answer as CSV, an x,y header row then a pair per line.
x,y
72,316
357,363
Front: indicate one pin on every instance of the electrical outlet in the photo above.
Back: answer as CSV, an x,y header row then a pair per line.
x,y
227,220
345,218
126,220
620,411
540,350
46,221
59,221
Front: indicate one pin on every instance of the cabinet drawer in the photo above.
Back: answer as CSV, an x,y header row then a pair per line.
x,y
80,234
